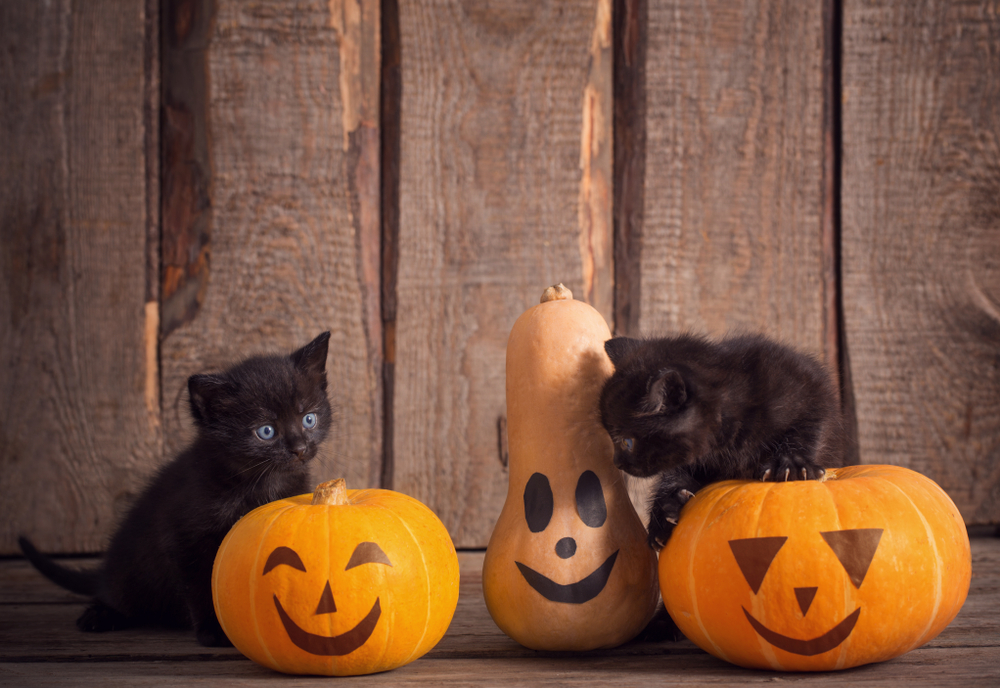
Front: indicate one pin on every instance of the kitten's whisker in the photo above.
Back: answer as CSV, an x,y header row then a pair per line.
x,y
251,467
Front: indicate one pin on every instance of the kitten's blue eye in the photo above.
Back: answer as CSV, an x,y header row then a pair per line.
x,y
265,432
309,421
627,444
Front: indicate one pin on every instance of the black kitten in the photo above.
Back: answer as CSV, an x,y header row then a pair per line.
x,y
258,426
696,412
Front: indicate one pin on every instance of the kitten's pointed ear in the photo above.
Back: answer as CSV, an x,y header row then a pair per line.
x,y
666,393
311,359
618,347
203,391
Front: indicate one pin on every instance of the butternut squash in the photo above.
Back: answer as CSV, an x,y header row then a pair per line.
x,y
567,566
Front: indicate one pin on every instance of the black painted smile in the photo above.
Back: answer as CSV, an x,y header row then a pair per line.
x,y
338,645
824,643
582,591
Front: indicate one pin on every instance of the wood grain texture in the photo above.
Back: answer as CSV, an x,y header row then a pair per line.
x,y
40,646
292,126
492,125
79,423
730,235
732,230
921,240
631,41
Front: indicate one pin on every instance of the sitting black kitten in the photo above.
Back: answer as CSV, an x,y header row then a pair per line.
x,y
696,412
258,426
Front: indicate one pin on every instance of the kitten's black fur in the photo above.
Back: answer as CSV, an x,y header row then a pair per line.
x,y
696,412
158,567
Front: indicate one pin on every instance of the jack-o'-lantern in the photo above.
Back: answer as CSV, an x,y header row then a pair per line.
x,y
860,567
338,583
567,566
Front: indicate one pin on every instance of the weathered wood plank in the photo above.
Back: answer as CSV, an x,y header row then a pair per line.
x,y
921,240
80,409
292,149
732,231
936,668
501,106
730,235
37,625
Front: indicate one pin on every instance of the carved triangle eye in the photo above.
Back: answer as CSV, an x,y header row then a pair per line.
x,y
754,557
855,549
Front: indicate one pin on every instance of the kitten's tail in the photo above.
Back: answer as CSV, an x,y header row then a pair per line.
x,y
74,580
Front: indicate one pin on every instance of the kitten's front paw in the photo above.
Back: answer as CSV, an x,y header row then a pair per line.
x,y
664,514
661,628
785,467
213,636
100,618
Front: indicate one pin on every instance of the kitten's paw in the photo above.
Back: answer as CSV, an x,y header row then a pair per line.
x,y
661,628
785,467
100,618
664,514
213,636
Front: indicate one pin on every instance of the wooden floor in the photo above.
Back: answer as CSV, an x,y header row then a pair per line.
x,y
40,646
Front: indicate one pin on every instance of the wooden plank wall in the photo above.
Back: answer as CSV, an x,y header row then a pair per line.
x,y
921,240
188,181
80,416
501,194
733,232
285,243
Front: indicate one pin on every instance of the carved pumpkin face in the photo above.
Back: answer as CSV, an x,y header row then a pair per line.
x,y
802,576
337,641
854,550
592,511
355,587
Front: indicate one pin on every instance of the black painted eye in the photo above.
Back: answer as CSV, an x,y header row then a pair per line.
x,y
590,500
537,503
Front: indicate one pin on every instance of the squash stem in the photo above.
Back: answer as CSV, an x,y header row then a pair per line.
x,y
557,292
331,493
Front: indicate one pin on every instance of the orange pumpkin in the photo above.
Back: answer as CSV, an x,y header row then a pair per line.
x,y
567,566
869,563
339,583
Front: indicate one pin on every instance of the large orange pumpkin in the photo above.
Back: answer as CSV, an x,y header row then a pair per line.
x,y
869,563
338,583
567,566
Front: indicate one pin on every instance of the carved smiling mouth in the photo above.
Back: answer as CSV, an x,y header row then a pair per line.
x,y
338,645
824,643
582,591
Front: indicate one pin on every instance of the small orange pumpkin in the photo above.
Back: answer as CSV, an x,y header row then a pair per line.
x,y
339,583
869,563
567,566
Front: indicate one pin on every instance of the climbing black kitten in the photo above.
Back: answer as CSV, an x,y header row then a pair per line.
x,y
258,426
695,412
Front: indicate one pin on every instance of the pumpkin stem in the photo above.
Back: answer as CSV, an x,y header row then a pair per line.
x,y
331,493
557,292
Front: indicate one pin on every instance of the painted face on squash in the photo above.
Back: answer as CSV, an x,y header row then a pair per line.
x,y
591,508
854,549
348,640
